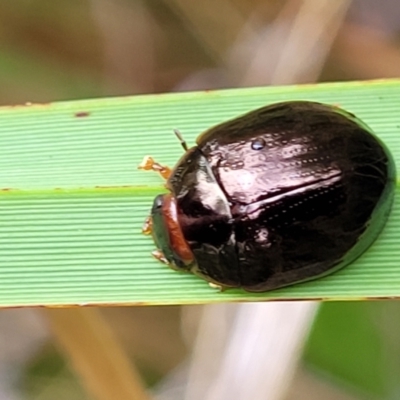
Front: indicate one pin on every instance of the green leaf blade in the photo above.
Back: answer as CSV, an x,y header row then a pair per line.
x,y
72,200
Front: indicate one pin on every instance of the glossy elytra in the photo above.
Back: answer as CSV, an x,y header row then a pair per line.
x,y
283,194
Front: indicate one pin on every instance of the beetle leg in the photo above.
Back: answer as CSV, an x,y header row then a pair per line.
x,y
218,287
147,227
148,164
159,256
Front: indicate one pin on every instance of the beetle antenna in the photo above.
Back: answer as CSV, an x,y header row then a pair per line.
x,y
181,139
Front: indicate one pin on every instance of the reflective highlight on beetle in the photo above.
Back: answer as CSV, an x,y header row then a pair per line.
x,y
281,195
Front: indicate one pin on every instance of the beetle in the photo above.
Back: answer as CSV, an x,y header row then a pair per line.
x,y
283,194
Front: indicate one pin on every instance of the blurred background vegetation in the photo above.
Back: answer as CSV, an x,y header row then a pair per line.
x,y
53,50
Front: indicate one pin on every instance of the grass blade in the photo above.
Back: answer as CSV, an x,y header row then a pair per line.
x,y
72,201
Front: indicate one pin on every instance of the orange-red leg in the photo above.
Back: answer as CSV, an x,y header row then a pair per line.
x,y
148,164
159,256
147,227
216,286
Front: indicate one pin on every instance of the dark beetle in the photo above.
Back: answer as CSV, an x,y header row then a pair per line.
x,y
283,194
